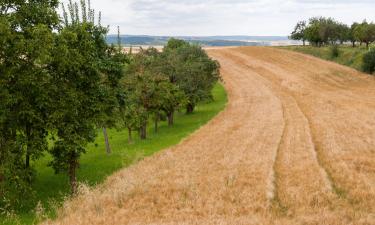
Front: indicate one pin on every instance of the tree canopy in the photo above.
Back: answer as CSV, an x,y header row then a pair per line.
x,y
323,31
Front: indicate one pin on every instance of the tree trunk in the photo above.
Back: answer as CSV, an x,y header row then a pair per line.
x,y
304,42
107,146
367,44
72,173
143,131
353,43
190,108
170,118
130,139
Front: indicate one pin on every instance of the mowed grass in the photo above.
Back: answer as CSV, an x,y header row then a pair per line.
x,y
348,55
96,165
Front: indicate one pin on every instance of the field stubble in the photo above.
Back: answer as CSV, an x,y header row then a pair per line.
x,y
295,145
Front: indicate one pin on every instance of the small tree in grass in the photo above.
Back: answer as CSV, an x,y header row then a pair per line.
x,y
369,61
172,99
196,74
111,65
352,38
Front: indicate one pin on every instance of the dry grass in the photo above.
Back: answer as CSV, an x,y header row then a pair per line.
x,y
295,145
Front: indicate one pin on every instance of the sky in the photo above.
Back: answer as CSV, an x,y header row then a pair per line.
x,y
224,17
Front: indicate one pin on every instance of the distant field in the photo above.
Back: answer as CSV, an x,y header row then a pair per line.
x,y
348,56
145,40
96,165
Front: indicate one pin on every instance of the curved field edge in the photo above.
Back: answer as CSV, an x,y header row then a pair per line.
x,y
96,165
348,56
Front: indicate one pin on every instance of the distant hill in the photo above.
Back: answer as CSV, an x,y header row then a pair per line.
x,y
203,40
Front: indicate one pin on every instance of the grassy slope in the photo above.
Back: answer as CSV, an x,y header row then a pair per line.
x,y
348,56
95,166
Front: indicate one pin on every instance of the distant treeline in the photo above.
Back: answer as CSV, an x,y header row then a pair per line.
x,y
319,31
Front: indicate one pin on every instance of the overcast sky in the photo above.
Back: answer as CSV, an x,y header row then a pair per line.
x,y
224,17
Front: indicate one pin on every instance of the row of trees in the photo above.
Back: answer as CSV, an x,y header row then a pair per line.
x,y
157,84
60,82
320,31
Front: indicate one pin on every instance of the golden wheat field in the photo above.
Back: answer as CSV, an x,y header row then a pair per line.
x,y
295,145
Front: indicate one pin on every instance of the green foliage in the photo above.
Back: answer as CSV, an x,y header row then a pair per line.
x,y
334,51
60,82
299,32
324,31
191,70
352,57
85,77
365,33
25,52
369,61
96,165
174,44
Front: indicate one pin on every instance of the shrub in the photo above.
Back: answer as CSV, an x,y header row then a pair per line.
x,y
369,62
334,51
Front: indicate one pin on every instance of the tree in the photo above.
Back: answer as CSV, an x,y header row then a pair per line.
x,y
78,89
192,71
25,52
365,33
352,38
321,30
111,65
299,32
140,83
172,99
343,32
312,32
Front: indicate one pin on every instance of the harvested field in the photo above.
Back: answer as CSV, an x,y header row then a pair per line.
x,y
295,145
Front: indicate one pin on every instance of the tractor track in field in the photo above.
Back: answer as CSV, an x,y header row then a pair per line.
x,y
295,145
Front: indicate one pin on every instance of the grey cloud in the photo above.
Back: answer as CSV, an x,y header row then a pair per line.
x,y
224,17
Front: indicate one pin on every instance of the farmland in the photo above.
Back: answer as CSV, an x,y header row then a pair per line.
x,y
289,148
97,165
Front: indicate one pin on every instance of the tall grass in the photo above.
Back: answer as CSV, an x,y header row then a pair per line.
x,y
345,55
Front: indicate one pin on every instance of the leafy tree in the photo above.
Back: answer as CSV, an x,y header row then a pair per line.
x,y
140,84
111,65
343,32
193,72
299,32
365,33
352,38
321,30
312,32
172,99
25,51
79,89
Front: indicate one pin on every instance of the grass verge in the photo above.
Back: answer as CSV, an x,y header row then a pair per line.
x,y
96,165
348,56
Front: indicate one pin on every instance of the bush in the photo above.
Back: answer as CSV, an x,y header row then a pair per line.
x,y
369,62
334,51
